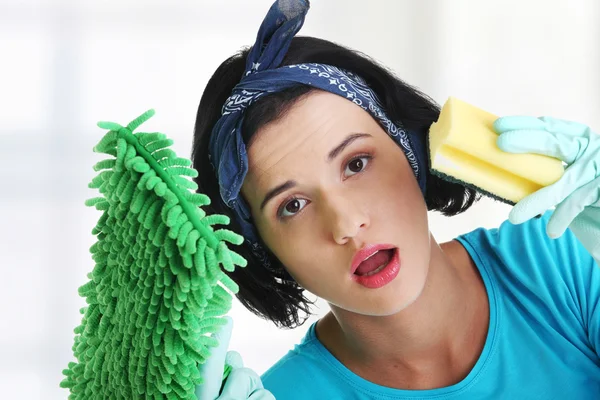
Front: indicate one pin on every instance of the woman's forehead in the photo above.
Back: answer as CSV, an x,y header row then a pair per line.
x,y
302,145
311,126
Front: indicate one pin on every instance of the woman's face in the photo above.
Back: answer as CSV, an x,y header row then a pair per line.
x,y
346,186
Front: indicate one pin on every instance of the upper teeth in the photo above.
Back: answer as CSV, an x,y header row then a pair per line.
x,y
371,255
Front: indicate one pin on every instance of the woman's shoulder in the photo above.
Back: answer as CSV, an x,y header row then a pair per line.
x,y
524,264
528,247
303,373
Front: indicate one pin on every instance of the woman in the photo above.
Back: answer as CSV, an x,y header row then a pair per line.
x,y
318,155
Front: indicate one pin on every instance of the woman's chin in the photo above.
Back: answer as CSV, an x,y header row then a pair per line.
x,y
382,305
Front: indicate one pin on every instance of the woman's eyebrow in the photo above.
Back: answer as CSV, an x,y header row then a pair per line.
x,y
345,143
277,190
332,154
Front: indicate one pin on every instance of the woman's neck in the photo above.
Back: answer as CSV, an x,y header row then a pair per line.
x,y
434,342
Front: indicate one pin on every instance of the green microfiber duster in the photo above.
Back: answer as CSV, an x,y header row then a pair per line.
x,y
157,290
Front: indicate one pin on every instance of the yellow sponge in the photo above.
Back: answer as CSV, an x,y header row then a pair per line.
x,y
462,147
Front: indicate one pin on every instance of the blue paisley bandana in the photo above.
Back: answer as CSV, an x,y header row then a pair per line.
x,y
263,76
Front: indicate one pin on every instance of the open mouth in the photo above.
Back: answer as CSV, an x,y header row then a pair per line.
x,y
375,263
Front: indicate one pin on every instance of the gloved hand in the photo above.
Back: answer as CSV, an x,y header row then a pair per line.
x,y
241,383
576,194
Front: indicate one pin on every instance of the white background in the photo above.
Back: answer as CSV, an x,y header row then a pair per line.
x,y
64,65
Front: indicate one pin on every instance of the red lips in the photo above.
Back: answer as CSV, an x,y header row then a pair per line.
x,y
366,252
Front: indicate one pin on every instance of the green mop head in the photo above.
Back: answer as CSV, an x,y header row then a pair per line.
x,y
157,291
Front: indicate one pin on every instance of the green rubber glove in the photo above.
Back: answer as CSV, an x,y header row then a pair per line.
x,y
224,375
577,194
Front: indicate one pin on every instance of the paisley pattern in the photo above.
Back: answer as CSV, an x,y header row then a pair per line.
x,y
238,102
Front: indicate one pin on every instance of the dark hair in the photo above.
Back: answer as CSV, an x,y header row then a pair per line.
x,y
273,294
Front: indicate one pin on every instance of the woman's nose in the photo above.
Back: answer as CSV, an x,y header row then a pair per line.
x,y
346,218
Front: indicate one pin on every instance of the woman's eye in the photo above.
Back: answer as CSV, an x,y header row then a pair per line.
x,y
356,165
292,207
295,205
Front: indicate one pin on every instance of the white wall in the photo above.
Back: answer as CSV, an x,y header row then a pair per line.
x,y
64,65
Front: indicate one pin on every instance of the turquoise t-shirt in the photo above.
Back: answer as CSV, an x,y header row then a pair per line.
x,y
543,340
